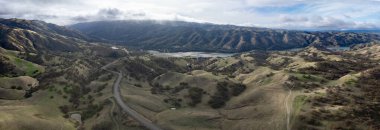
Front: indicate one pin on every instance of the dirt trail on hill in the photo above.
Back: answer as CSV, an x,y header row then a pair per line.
x,y
288,107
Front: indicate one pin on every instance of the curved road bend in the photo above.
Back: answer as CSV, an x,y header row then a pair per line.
x,y
138,117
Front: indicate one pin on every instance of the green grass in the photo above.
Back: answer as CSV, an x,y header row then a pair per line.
x,y
308,77
29,68
11,94
299,101
351,82
39,112
11,52
266,80
195,122
298,104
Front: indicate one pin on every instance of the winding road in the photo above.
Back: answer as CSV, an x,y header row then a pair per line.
x,y
116,94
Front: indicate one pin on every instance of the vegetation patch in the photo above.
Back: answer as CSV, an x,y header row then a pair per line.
x,y
91,110
195,95
29,68
224,92
105,125
195,121
299,101
333,70
348,107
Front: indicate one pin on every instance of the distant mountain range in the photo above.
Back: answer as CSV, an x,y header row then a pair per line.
x,y
186,36
34,35
375,31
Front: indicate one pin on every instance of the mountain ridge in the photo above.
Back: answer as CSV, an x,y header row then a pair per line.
x,y
35,36
187,36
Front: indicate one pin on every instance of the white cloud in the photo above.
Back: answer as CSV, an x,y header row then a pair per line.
x,y
290,14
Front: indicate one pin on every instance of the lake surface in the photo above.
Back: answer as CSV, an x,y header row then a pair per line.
x,y
211,54
189,54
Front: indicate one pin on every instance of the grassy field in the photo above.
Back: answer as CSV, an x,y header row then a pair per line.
x,y
308,77
25,82
14,88
39,112
189,119
29,68
298,103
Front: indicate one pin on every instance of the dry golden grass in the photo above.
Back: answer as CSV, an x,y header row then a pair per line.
x,y
38,112
23,81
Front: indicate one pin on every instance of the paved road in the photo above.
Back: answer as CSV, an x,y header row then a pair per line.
x,y
138,117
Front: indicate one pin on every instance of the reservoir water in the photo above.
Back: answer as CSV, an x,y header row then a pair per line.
x,y
211,54
189,54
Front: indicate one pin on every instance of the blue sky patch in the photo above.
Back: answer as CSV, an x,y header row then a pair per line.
x,y
279,9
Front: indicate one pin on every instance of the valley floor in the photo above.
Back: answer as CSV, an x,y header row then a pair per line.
x,y
313,88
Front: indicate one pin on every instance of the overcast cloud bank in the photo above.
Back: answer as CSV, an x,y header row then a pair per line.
x,y
288,14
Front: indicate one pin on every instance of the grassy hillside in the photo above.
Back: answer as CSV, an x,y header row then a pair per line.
x,y
16,66
313,88
311,75
29,68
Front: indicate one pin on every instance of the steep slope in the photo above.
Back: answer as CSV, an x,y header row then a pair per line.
x,y
32,35
180,36
11,65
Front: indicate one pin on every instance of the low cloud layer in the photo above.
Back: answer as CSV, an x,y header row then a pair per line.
x,y
288,14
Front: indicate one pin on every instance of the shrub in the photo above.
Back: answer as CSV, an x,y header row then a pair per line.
x,y
91,110
270,74
19,88
221,96
195,95
64,109
106,125
224,92
237,89
173,101
217,102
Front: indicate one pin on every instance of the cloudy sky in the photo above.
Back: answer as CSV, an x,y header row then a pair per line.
x,y
288,14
